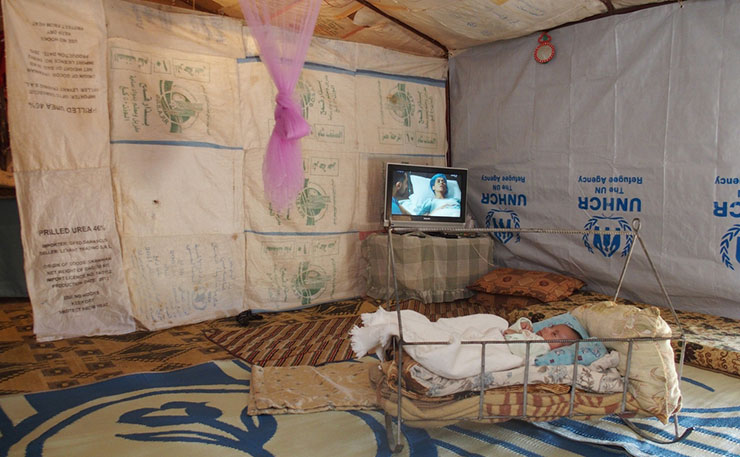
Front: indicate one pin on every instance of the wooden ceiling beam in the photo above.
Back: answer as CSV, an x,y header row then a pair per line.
x,y
400,23
613,11
609,5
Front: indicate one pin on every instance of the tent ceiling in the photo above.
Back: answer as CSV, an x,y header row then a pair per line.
x,y
452,24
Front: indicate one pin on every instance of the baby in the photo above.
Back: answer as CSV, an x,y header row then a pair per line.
x,y
452,351
523,330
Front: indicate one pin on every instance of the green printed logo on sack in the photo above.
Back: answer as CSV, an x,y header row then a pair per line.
x,y
401,104
310,282
177,106
312,202
306,95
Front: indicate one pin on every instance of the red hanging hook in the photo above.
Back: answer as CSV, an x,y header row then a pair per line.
x,y
545,51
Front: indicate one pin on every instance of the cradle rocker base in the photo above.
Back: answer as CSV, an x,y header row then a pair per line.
x,y
645,436
393,443
396,447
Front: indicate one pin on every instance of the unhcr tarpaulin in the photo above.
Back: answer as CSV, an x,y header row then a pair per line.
x,y
636,117
138,134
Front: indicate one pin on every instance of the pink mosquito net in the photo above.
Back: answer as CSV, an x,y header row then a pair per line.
x,y
283,30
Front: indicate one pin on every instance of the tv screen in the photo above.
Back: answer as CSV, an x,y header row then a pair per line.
x,y
421,195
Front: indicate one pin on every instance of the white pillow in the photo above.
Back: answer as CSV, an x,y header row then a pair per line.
x,y
653,376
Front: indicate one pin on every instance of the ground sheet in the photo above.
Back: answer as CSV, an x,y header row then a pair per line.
x,y
203,410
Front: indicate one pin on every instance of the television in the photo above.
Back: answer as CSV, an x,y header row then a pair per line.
x,y
419,196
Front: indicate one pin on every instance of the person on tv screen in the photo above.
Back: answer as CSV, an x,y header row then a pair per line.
x,y
400,192
440,204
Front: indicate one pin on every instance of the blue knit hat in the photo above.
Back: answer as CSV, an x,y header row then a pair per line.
x,y
566,319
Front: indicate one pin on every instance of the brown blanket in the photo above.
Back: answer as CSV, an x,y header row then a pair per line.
x,y
545,402
307,389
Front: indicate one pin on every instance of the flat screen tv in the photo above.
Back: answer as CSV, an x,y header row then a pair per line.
x,y
419,196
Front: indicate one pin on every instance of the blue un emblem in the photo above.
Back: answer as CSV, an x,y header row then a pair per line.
x,y
503,218
609,243
724,246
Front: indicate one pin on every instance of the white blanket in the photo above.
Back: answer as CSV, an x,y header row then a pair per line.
x,y
454,360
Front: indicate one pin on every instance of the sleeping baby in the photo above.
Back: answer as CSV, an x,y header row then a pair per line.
x,y
523,330
456,352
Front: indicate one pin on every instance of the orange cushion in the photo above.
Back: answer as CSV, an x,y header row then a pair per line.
x,y
542,285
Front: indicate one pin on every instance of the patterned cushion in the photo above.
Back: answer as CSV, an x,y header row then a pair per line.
x,y
653,376
712,342
542,285
502,305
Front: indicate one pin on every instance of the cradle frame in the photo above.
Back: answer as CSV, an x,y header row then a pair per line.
x,y
394,440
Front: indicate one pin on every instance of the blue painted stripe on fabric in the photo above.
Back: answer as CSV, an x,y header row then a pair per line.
x,y
378,74
309,65
378,432
242,364
724,436
698,425
328,68
36,445
721,409
456,449
377,154
726,422
192,144
349,232
419,442
686,441
414,79
560,442
697,383
594,432
6,431
490,440
57,400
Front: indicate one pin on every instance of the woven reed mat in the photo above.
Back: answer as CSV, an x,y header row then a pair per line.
x,y
314,342
29,366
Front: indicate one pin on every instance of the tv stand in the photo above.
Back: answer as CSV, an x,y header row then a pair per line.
x,y
432,266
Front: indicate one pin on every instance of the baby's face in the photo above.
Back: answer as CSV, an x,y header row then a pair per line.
x,y
558,332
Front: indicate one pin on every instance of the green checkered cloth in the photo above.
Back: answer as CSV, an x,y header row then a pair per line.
x,y
429,268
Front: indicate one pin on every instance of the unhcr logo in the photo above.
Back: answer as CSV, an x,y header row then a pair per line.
x,y
503,219
609,243
176,106
725,246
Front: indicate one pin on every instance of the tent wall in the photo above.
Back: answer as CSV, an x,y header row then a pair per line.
x,y
636,117
138,134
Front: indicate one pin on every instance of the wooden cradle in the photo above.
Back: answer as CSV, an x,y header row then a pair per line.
x,y
400,398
